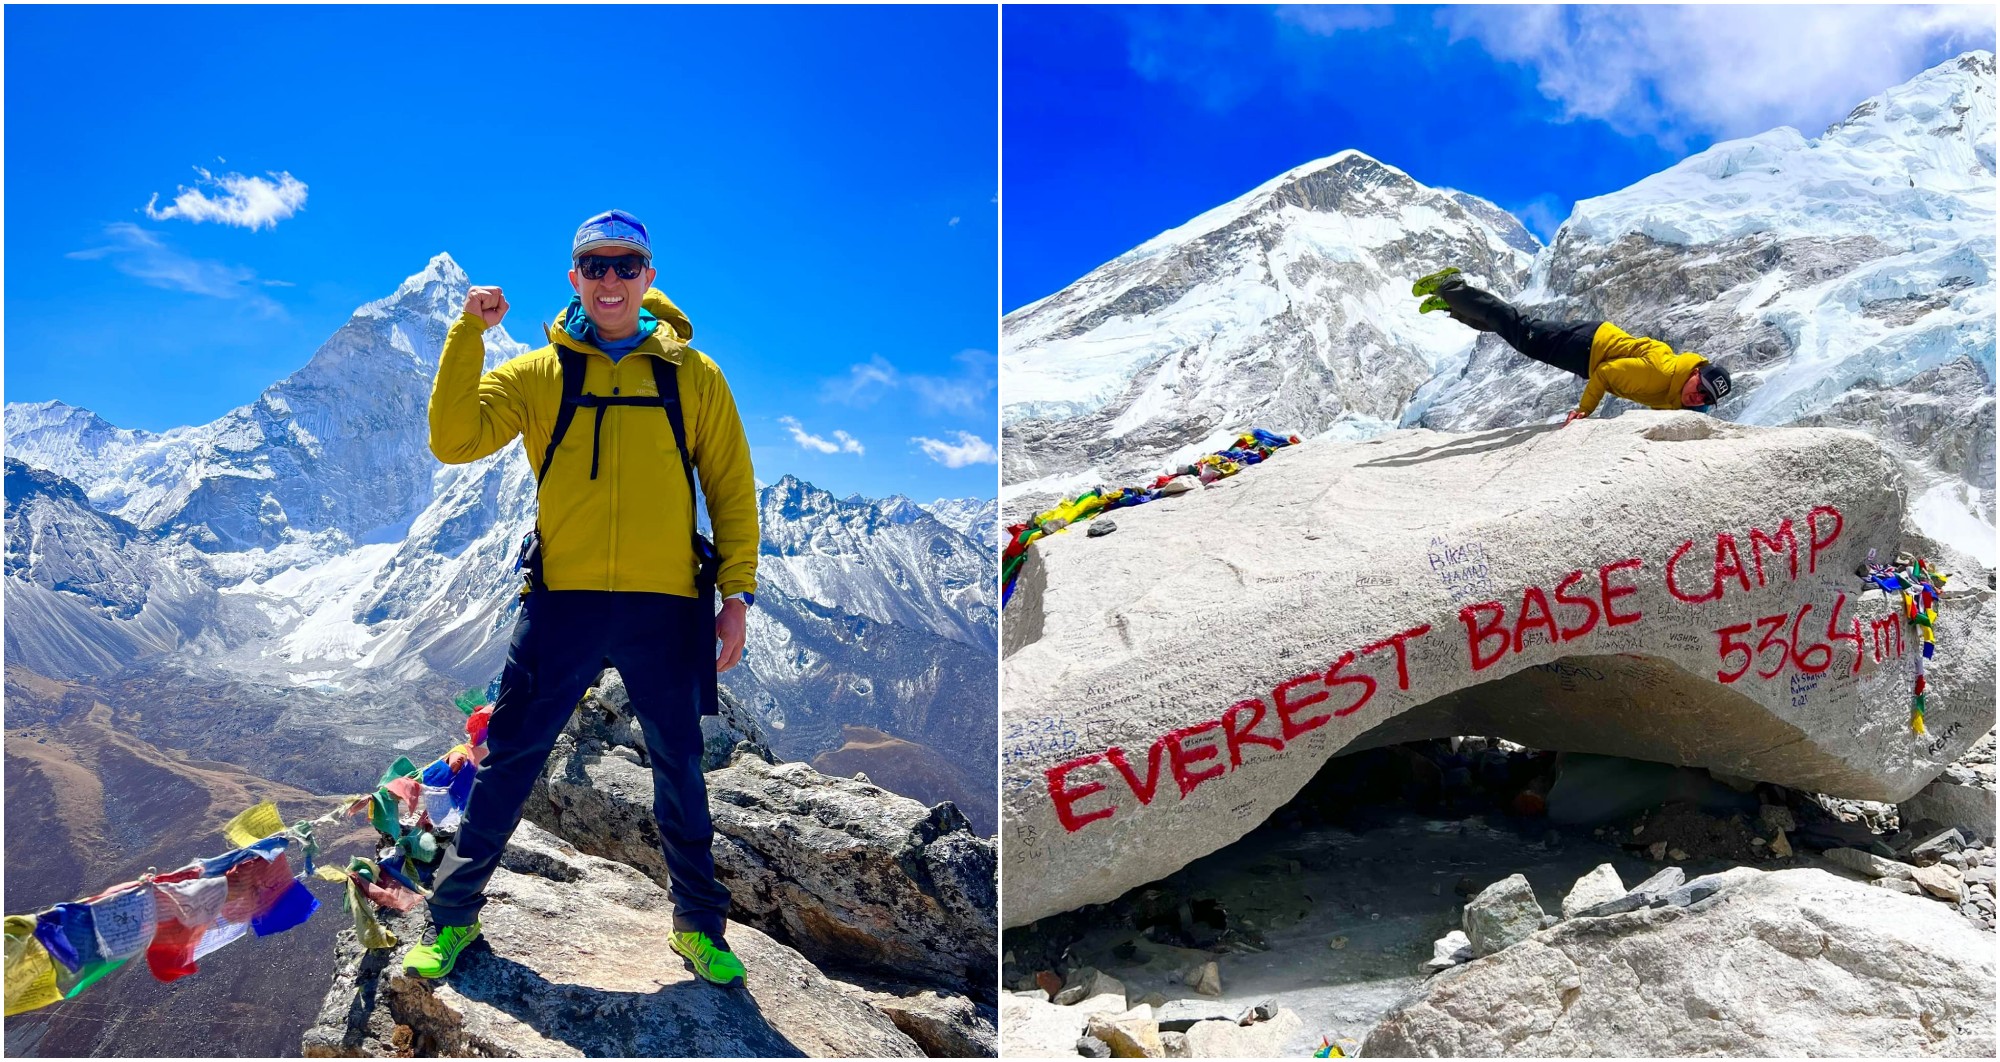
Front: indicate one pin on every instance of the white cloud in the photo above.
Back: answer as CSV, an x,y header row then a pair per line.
x,y
953,223
248,202
841,443
966,390
138,253
1671,72
969,450
1327,20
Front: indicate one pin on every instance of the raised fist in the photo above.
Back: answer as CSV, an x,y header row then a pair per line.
x,y
488,303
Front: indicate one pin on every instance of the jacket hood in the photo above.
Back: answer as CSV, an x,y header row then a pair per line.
x,y
1681,367
674,331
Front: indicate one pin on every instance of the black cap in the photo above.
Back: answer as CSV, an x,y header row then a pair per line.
x,y
1714,382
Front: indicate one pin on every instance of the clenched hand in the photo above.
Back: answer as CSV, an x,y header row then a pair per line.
x,y
488,303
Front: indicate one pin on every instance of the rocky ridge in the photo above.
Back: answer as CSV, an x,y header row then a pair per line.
x,y
1280,923
865,919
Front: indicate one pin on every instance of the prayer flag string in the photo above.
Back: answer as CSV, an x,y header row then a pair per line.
x,y
1921,587
257,889
1249,449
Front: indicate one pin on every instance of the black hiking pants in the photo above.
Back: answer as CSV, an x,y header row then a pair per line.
x,y
1563,344
562,640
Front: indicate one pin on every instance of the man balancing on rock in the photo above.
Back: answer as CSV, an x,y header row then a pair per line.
x,y
1634,368
617,415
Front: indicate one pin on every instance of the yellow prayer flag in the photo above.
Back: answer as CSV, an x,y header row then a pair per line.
x,y
31,975
335,875
254,825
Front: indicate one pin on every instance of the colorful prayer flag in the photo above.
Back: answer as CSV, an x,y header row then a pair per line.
x,y
254,825
30,973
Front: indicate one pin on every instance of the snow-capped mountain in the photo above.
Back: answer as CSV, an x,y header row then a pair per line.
x,y
975,518
895,563
1281,309
307,553
1844,280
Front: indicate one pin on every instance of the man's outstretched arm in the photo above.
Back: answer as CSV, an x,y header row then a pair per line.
x,y
473,414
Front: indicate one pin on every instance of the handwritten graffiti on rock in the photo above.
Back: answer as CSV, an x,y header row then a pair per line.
x,y
1943,739
1463,569
1211,748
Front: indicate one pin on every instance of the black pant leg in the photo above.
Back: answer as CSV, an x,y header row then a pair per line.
x,y
1563,344
557,652
659,652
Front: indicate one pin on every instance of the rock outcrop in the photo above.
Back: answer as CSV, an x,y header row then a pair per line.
x,y
852,875
1794,962
574,961
1661,586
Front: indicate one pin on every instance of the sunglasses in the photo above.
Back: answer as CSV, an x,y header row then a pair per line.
x,y
594,266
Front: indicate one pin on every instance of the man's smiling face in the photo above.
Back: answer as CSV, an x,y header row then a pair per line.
x,y
611,301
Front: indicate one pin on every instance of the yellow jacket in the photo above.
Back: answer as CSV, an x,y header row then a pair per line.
x,y
1636,369
628,528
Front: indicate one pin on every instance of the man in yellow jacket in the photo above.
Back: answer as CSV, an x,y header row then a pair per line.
x,y
616,415
1634,368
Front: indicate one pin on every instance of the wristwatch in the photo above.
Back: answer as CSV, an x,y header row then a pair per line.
x,y
749,599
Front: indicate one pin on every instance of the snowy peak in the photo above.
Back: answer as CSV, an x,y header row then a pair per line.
x,y
1349,183
891,561
901,510
1911,167
441,280
68,440
1286,308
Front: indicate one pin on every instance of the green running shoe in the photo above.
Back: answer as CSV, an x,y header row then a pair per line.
x,y
441,948
1435,302
1428,284
712,963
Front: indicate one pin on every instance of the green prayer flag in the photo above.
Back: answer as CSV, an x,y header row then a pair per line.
x,y
399,769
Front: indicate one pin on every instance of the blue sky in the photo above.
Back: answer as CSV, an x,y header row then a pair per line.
x,y
1122,122
820,184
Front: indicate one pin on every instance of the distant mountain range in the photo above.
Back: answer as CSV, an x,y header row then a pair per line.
x,y
299,587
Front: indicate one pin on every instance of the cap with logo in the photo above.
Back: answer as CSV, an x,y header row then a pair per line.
x,y
613,230
1714,382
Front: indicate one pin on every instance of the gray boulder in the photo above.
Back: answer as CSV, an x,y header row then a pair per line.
x,y
574,962
1866,864
1448,951
1651,892
1793,962
850,874
1085,982
1226,1039
944,1026
1033,1027
1968,807
1601,885
1212,743
1504,913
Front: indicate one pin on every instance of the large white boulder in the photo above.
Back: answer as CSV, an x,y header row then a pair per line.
x,y
1629,587
1796,962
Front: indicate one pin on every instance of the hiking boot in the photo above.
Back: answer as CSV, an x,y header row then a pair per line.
x,y
440,949
1428,285
1434,302
714,964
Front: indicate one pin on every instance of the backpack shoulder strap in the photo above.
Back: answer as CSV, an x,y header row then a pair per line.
x,y
667,381
572,388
